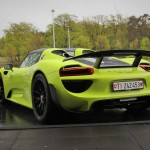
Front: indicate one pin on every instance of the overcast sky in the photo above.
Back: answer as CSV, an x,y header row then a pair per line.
x,y
38,12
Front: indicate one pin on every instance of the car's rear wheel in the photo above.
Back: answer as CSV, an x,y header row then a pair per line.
x,y
43,106
2,96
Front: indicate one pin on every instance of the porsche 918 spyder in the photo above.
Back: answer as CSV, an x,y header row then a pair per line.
x,y
49,79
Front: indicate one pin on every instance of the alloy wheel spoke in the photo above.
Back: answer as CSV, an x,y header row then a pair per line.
x,y
39,86
36,92
39,97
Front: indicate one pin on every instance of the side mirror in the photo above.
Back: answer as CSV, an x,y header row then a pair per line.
x,y
8,67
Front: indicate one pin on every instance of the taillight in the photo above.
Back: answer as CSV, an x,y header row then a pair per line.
x,y
145,67
76,71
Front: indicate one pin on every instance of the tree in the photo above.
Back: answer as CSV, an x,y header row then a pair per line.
x,y
48,37
94,27
118,45
97,32
144,26
23,37
36,41
117,31
10,52
132,28
62,22
134,44
102,43
145,43
2,43
80,40
65,20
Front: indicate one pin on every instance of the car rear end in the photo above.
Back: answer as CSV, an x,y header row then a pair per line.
x,y
101,78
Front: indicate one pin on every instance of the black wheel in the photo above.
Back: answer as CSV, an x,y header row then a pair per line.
x,y
43,106
2,96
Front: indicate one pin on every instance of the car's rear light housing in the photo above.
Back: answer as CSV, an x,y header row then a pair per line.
x,y
77,86
145,67
76,71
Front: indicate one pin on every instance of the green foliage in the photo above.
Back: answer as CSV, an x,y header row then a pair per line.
x,y
20,39
10,52
48,37
145,43
118,45
80,40
102,43
97,32
2,43
65,20
134,44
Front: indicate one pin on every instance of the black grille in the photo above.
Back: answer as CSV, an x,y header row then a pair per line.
x,y
77,86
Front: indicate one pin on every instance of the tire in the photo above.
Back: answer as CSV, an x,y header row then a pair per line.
x,y
43,107
2,95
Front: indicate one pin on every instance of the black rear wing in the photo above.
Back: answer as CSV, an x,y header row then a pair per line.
x,y
110,53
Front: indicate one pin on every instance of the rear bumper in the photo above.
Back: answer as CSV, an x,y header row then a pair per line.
x,y
121,103
54,96
76,102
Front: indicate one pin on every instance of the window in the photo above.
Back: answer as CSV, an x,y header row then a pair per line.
x,y
61,53
30,60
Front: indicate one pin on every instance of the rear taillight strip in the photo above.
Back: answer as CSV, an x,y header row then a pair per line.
x,y
145,67
76,71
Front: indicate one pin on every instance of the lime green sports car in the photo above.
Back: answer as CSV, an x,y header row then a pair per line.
x,y
49,79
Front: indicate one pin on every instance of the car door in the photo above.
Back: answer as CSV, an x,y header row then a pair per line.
x,y
19,79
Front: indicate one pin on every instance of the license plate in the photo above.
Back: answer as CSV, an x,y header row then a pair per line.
x,y
128,85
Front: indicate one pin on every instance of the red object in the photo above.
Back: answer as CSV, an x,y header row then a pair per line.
x,y
76,71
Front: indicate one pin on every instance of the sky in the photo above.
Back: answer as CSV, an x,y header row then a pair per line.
x,y
38,12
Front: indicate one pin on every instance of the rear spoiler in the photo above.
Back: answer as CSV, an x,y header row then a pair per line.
x,y
100,54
